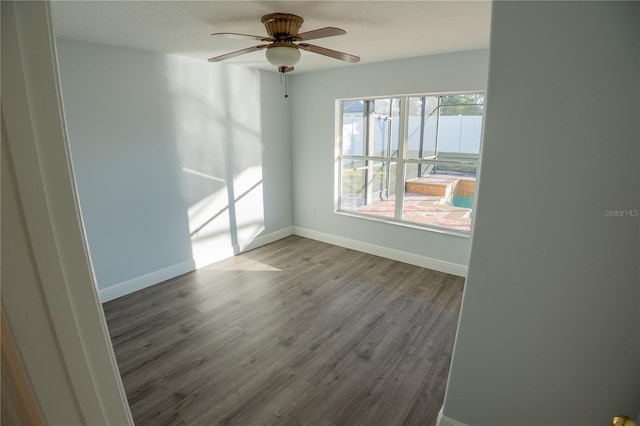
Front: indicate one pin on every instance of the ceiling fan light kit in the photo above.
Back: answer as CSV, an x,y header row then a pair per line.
x,y
283,54
283,49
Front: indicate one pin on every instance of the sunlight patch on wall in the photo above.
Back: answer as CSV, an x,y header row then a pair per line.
x,y
249,205
217,113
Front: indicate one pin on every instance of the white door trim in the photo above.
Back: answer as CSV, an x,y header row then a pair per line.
x,y
38,149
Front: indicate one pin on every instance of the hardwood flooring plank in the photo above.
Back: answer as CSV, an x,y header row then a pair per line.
x,y
294,333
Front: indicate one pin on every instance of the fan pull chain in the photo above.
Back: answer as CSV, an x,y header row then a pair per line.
x,y
283,79
286,86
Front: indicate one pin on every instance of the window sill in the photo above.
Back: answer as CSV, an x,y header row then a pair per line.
x,y
412,225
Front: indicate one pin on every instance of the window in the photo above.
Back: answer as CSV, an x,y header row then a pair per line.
x,y
410,159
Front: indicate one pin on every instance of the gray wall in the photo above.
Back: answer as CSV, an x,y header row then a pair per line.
x,y
313,101
549,329
176,160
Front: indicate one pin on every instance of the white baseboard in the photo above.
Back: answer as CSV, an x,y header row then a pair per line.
x,y
135,284
446,421
393,254
156,277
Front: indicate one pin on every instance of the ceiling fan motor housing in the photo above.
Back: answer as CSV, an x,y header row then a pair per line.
x,y
282,26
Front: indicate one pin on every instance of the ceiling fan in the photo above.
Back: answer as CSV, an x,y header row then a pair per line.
x,y
283,49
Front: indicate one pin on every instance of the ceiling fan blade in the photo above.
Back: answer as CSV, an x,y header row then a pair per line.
x,y
321,33
328,52
237,53
242,36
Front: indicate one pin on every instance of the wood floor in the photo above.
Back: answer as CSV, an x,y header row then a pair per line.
x,y
297,332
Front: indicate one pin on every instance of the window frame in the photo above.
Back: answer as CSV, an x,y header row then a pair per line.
x,y
400,160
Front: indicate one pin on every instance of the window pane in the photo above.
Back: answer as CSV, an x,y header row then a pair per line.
x,y
353,184
430,127
368,187
381,136
460,135
386,128
381,202
353,130
379,180
439,197
460,126
422,126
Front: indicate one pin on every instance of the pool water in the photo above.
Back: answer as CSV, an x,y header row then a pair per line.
x,y
464,201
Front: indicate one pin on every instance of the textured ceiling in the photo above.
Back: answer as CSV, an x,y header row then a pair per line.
x,y
376,30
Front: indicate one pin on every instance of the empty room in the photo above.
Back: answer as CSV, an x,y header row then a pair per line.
x,y
315,213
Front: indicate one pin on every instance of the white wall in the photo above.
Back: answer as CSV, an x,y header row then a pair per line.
x,y
549,332
313,101
179,162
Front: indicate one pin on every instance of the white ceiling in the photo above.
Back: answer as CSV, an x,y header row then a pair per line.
x,y
376,30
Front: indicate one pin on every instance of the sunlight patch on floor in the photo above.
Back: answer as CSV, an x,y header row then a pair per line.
x,y
242,264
